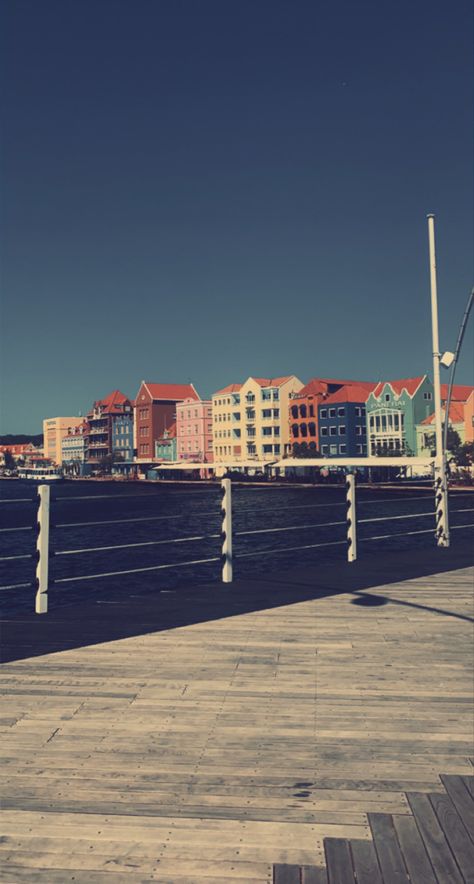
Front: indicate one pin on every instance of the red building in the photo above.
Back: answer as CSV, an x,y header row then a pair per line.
x,y
155,412
304,406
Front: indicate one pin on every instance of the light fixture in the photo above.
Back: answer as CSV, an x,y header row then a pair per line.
x,y
447,359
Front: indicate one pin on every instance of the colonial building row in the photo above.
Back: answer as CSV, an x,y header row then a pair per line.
x,y
260,420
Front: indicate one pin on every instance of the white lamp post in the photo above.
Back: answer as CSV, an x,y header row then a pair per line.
x,y
441,487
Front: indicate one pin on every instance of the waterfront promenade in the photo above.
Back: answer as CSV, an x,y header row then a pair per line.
x,y
206,734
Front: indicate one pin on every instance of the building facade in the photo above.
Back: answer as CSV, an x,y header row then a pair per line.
x,y
166,446
394,409
426,430
122,440
54,429
250,420
73,447
101,432
194,430
155,412
342,423
304,410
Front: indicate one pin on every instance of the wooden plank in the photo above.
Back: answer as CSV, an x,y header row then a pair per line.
x,y
338,861
365,862
469,784
413,850
286,874
387,848
455,833
313,875
461,798
436,845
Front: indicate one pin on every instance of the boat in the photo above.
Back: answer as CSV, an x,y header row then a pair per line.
x,y
40,473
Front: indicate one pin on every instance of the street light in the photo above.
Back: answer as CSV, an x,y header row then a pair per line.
x,y
441,488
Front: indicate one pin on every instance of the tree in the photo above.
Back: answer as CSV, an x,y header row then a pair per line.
x,y
453,442
9,460
303,450
464,455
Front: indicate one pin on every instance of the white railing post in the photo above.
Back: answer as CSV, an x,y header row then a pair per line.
x,y
351,518
42,549
441,508
226,530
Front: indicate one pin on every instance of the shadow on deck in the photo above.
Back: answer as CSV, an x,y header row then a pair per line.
x,y
26,634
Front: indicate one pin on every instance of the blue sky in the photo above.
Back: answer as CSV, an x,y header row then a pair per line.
x,y
199,191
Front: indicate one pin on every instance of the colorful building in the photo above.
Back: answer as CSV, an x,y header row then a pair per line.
x,y
194,430
426,430
304,405
250,420
463,395
122,440
394,409
101,432
469,418
155,412
20,451
54,429
342,423
166,446
73,448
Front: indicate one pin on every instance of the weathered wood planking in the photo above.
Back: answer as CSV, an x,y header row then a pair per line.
x,y
209,752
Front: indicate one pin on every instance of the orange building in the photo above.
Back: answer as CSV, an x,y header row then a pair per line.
x,y
303,408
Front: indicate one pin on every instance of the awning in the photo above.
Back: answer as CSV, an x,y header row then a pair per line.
x,y
355,462
182,465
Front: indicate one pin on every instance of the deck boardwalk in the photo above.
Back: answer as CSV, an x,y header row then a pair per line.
x,y
208,750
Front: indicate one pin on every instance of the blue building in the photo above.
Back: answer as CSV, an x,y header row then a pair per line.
x,y
342,423
122,440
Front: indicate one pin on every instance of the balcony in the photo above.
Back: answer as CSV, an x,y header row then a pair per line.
x,y
96,430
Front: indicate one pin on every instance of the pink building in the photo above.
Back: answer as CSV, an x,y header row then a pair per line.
x,y
194,430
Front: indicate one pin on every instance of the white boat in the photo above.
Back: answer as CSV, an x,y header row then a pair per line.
x,y
40,473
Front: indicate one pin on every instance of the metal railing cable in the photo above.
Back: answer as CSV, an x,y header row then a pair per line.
x,y
44,553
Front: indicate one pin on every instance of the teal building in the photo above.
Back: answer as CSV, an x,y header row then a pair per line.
x,y
393,411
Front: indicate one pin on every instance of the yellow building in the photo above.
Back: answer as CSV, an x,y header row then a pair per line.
x,y
250,421
54,429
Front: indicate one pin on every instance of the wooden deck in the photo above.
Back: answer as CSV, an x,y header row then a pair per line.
x,y
210,751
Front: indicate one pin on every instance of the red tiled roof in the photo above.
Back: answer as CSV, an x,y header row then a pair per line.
x,y
319,386
171,392
456,415
352,393
272,382
111,402
409,384
460,393
231,388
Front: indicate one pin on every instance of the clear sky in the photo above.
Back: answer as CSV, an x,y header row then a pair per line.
x,y
199,190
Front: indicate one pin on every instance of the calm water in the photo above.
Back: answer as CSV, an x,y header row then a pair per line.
x,y
88,514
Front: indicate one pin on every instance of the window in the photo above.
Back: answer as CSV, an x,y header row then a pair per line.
x,y
302,410
267,449
303,430
295,431
333,431
358,430
358,411
267,431
266,394
276,449
323,431
341,411
276,431
311,410
276,412
332,412
276,395
427,395
342,430
342,449
387,397
312,428
333,449
360,449
294,411
324,449
323,412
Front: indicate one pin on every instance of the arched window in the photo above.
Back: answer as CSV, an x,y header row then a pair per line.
x,y
302,410
303,430
294,411
295,430
312,428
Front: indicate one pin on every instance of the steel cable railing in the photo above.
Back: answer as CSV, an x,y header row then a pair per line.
x,y
45,551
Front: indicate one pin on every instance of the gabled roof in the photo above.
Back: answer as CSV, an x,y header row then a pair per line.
x,y
352,393
112,403
170,392
411,385
319,386
460,393
231,388
272,382
456,415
